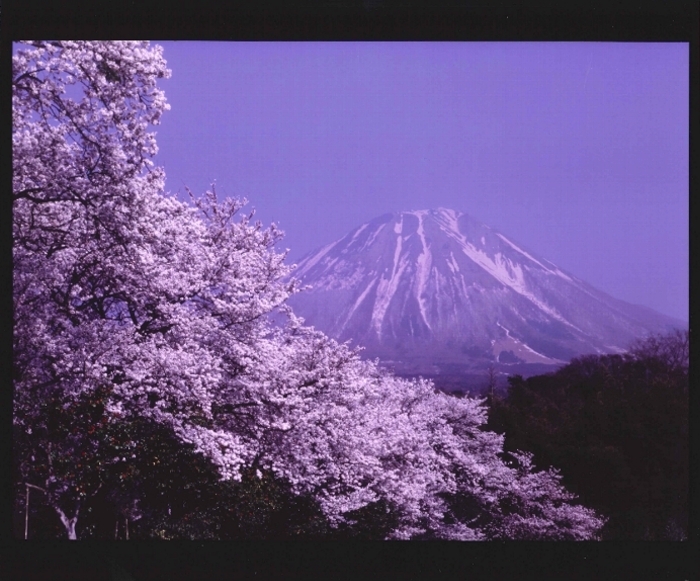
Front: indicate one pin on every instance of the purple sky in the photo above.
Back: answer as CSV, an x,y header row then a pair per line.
x,y
577,151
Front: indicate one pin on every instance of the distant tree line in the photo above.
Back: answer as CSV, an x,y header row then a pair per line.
x,y
616,426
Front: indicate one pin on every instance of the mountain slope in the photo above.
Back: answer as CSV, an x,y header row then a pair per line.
x,y
436,291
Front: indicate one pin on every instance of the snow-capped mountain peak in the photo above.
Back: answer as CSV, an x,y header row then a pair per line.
x,y
438,286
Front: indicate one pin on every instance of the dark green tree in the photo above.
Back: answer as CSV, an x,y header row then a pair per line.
x,y
617,428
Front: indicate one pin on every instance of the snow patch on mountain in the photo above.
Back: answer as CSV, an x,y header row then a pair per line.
x,y
372,237
520,349
357,233
423,264
387,287
359,301
307,265
452,264
500,267
556,271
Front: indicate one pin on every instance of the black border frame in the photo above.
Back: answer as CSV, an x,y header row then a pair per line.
x,y
333,20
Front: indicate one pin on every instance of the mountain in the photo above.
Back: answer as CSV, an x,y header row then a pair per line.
x,y
437,293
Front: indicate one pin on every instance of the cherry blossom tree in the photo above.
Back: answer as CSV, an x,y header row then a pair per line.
x,y
116,284
80,161
131,302
353,436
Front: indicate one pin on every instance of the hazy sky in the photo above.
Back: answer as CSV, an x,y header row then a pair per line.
x,y
577,151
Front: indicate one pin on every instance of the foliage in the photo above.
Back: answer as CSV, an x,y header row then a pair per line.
x,y
617,428
150,379
169,491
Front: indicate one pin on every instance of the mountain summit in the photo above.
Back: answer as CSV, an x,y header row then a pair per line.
x,y
435,291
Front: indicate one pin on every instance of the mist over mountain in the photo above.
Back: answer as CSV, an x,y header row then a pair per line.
x,y
437,293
